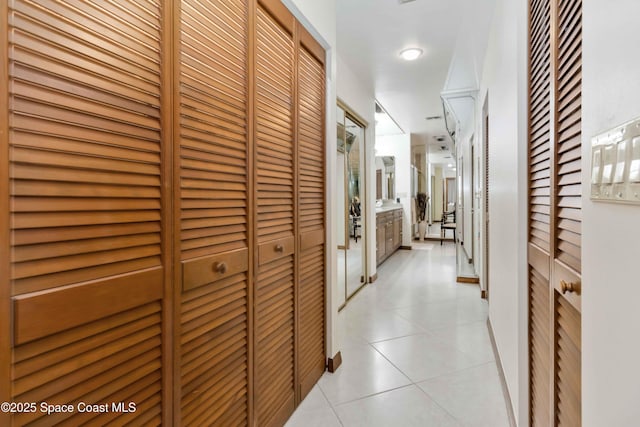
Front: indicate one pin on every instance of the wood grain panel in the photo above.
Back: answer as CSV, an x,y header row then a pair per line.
x,y
87,189
311,213
213,196
46,313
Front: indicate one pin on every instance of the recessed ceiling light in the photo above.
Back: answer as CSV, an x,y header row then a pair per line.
x,y
450,165
411,53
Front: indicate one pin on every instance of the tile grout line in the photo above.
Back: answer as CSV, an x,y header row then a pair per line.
x,y
413,383
424,331
331,406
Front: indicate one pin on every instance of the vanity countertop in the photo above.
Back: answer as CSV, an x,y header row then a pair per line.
x,y
388,208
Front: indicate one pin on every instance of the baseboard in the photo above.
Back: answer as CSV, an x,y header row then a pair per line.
x,y
373,278
503,381
406,248
334,362
464,279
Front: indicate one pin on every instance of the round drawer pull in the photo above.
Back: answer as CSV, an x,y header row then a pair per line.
x,y
220,267
569,287
279,248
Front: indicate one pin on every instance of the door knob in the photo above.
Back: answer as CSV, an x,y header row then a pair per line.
x,y
220,267
569,287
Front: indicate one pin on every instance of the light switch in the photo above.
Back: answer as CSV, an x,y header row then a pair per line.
x,y
596,169
621,162
634,166
609,161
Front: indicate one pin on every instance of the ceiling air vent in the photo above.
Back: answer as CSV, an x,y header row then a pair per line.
x,y
405,1
432,117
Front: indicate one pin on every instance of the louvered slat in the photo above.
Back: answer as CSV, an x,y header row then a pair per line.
x,y
540,343
274,196
568,364
274,339
539,122
213,136
539,207
311,217
569,122
86,200
90,363
84,143
274,141
213,211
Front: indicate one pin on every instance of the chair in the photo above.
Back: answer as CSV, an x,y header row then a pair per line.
x,y
448,223
356,227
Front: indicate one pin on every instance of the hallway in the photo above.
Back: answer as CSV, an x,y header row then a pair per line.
x,y
416,352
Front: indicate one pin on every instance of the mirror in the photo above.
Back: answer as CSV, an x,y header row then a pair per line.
x,y
350,204
385,178
341,207
466,206
355,189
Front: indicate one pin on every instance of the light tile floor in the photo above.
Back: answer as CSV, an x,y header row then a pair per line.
x,y
415,350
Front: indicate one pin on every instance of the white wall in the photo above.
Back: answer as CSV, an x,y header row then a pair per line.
x,y
611,233
504,80
319,18
399,146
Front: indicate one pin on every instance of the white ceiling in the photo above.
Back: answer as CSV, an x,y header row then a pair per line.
x,y
370,35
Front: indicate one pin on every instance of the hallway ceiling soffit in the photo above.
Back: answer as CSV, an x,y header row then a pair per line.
x,y
370,36
461,88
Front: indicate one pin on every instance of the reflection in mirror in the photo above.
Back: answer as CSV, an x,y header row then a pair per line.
x,y
341,207
354,147
385,178
460,200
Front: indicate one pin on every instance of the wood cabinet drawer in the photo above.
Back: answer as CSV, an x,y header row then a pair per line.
x,y
274,249
202,271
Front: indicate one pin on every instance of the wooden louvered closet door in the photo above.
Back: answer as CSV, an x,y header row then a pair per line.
x,y
555,211
540,212
87,249
212,196
163,166
274,195
568,213
311,212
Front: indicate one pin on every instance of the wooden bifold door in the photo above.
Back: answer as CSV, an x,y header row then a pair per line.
x,y
555,142
162,222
